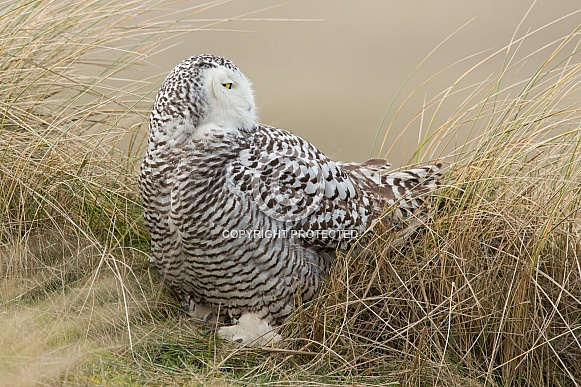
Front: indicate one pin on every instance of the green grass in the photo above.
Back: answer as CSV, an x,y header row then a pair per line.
x,y
487,293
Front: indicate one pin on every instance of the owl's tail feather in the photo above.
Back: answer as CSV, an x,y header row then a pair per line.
x,y
403,197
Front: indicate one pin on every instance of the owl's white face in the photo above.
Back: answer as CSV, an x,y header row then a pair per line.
x,y
230,101
202,96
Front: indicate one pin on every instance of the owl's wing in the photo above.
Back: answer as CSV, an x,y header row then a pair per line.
x,y
292,181
322,202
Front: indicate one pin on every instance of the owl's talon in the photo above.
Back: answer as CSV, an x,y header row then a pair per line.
x,y
207,319
187,305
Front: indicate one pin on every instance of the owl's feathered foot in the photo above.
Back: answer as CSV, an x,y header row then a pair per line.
x,y
251,331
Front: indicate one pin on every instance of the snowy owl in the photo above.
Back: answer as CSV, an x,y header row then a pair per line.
x,y
244,218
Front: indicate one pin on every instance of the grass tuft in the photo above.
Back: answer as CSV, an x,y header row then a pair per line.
x,y
489,291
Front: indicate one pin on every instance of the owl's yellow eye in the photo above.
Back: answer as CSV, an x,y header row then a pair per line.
x,y
227,85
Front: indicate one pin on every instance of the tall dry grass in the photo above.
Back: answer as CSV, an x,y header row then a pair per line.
x,y
489,291
486,293
70,224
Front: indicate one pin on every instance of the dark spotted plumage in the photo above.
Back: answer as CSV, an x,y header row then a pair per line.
x,y
245,218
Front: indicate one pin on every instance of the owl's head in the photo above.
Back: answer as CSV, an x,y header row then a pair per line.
x,y
201,95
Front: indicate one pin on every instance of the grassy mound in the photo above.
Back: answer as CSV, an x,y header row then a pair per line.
x,y
487,293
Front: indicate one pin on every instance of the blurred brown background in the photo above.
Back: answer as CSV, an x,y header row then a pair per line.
x,y
328,70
